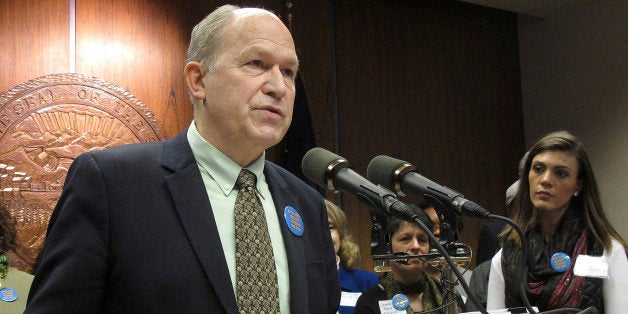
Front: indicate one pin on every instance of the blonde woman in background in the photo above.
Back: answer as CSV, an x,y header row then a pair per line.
x,y
353,280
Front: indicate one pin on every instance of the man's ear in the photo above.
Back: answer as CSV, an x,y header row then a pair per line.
x,y
194,79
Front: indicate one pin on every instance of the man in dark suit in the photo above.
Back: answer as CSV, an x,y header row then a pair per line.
x,y
149,228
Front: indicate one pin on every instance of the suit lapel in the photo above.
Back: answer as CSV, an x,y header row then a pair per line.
x,y
194,210
294,244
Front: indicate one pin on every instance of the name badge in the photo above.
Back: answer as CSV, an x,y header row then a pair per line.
x,y
591,266
349,298
386,307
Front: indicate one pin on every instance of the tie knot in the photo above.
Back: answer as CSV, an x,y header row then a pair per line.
x,y
246,179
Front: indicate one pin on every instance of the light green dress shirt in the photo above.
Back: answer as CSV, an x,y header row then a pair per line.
x,y
219,174
20,282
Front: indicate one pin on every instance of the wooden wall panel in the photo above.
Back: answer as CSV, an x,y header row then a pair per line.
x,y
35,40
435,83
432,82
312,31
140,46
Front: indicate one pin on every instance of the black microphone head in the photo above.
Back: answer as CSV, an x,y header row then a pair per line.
x,y
319,165
388,172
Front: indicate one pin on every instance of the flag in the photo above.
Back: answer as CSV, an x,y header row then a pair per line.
x,y
300,136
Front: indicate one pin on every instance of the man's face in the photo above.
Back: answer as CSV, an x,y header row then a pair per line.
x,y
250,96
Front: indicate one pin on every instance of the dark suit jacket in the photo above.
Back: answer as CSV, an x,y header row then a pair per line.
x,y
133,232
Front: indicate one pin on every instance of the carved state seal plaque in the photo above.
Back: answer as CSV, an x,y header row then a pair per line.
x,y
44,124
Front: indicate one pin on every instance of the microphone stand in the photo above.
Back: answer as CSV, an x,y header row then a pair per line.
x,y
451,264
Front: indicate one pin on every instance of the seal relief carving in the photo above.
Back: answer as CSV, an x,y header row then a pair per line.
x,y
44,124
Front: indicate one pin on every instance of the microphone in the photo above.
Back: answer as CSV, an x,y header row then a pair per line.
x,y
401,176
334,173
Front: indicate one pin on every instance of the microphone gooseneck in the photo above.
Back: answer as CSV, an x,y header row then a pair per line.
x,y
334,173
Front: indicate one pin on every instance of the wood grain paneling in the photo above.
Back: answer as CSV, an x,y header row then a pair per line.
x,y
435,83
34,40
312,32
432,82
140,46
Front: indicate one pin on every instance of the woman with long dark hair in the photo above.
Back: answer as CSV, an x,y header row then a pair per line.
x,y
559,209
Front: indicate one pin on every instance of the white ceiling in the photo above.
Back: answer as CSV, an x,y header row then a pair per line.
x,y
538,8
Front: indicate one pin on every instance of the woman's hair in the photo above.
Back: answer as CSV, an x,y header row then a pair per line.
x,y
7,231
587,204
349,251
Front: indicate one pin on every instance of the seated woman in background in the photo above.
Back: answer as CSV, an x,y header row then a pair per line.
x,y
406,281
353,281
14,284
558,207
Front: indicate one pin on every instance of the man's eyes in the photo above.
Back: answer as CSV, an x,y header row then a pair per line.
x,y
257,63
287,72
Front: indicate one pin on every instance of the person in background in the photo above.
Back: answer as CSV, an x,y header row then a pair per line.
x,y
405,280
431,212
558,207
478,284
435,272
14,283
488,241
156,227
353,280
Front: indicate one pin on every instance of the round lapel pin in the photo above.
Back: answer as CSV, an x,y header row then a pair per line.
x,y
8,294
293,221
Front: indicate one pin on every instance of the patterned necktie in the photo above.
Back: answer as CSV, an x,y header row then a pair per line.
x,y
256,276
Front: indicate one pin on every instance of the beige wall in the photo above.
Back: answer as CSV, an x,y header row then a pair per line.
x,y
574,75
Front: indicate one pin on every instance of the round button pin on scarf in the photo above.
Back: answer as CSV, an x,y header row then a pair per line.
x,y
400,302
560,262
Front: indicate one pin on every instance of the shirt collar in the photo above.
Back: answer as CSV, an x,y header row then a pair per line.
x,y
220,168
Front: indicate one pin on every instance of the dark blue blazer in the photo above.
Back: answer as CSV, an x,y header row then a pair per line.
x,y
133,232
355,280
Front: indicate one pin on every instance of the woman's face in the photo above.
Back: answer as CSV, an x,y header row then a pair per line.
x,y
409,239
335,235
553,181
431,212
